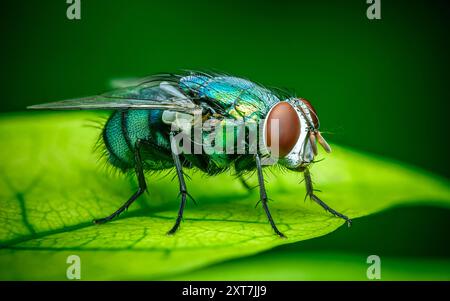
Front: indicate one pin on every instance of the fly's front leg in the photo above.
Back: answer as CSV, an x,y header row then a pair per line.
x,y
312,196
142,186
183,190
263,196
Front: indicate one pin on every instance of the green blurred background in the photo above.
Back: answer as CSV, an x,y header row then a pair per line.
x,y
378,85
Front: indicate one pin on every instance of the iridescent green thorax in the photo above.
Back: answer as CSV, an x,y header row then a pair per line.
x,y
237,97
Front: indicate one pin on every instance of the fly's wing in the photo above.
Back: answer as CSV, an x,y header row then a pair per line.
x,y
100,102
158,92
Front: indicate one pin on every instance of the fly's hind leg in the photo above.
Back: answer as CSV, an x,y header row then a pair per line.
x,y
142,186
263,196
312,196
183,190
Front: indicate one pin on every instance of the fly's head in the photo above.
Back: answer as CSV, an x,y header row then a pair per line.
x,y
291,133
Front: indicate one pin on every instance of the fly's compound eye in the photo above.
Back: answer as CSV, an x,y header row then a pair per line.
x,y
285,117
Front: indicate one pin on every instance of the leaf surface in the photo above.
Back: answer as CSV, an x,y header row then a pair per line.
x,y
52,186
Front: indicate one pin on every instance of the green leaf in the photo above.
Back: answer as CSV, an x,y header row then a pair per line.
x,y
321,265
52,186
342,255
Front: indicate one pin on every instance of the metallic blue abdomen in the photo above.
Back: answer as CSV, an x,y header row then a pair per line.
x,y
125,128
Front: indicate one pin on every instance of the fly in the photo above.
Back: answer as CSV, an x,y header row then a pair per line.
x,y
148,118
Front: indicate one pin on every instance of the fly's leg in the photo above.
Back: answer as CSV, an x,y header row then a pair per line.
x,y
142,186
183,190
263,196
312,196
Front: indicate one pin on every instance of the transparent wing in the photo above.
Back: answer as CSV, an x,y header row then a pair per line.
x,y
160,93
99,102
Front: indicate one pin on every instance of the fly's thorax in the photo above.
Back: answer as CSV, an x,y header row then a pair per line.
x,y
287,130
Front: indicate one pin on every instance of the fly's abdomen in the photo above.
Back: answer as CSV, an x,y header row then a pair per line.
x,y
125,128
119,153
136,125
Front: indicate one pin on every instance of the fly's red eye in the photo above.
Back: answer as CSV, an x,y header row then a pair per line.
x,y
288,128
313,112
